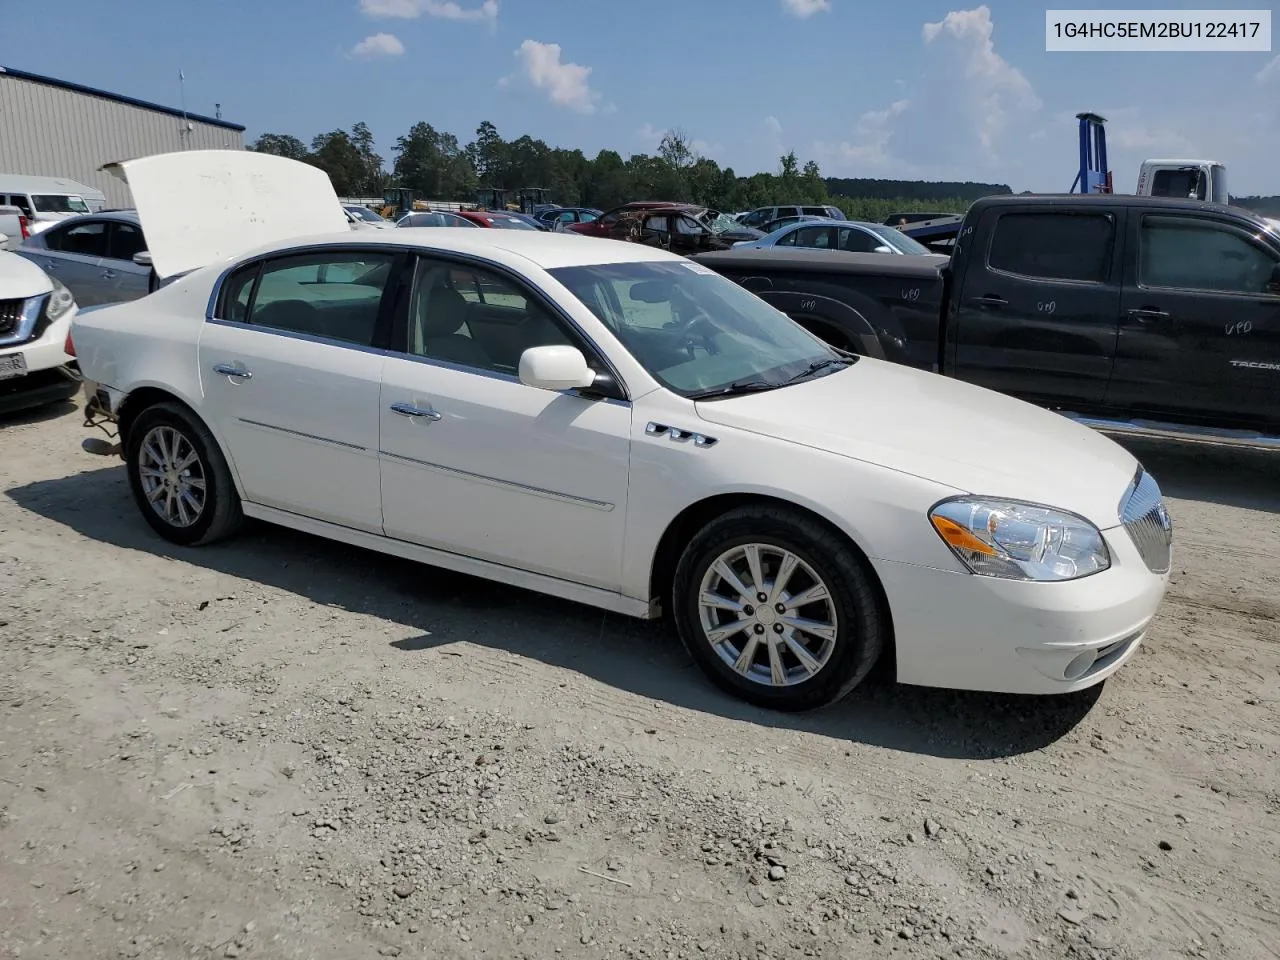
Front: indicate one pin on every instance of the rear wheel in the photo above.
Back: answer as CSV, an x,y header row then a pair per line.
x,y
179,478
777,609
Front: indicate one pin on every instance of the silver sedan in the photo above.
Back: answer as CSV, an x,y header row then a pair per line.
x,y
853,236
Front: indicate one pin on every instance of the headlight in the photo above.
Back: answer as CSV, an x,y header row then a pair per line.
x,y
1019,541
60,301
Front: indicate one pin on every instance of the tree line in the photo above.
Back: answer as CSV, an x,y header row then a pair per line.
x,y
437,166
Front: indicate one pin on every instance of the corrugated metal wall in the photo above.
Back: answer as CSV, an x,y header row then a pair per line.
x,y
50,132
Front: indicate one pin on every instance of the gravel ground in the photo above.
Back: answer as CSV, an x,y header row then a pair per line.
x,y
282,747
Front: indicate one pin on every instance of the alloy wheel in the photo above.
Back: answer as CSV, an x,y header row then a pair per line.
x,y
172,475
768,614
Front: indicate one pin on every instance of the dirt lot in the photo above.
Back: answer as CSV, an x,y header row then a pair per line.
x,y
280,747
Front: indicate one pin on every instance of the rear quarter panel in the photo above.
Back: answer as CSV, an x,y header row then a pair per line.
x,y
149,342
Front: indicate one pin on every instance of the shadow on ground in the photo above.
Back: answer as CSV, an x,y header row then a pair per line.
x,y
1212,473
34,415
639,657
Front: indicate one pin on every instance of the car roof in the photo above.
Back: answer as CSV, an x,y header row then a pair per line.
x,y
512,248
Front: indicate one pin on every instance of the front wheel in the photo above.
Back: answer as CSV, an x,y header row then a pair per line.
x,y
179,478
777,609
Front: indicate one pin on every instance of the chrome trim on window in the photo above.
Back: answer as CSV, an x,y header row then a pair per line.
x,y
416,250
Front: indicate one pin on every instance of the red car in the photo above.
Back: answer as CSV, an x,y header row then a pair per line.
x,y
496,219
606,224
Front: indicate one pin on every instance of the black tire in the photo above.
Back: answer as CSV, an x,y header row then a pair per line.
x,y
220,515
860,629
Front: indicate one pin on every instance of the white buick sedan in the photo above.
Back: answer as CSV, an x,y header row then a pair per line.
x,y
609,423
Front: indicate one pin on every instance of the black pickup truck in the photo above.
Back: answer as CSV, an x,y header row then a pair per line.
x,y
1138,314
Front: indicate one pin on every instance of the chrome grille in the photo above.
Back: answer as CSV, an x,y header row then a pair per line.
x,y
1148,523
10,316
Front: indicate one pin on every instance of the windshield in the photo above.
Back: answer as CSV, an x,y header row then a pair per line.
x,y
59,203
897,239
511,223
364,213
693,329
718,222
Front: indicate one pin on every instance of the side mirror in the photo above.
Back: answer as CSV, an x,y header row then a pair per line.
x,y
142,258
883,248
1273,285
555,367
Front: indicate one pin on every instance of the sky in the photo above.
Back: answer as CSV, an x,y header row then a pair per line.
x,y
911,89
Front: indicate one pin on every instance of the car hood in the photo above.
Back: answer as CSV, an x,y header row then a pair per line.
x,y
199,207
962,436
20,278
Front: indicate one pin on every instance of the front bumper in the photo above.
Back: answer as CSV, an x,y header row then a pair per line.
x,y
51,372
967,632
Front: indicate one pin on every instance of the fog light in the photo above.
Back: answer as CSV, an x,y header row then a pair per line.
x,y
1080,665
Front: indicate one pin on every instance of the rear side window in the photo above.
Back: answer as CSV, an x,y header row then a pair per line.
x,y
86,239
331,295
1054,246
22,203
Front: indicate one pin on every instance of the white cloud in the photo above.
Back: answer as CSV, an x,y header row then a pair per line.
x,y
805,8
966,96
378,45
650,136
1270,71
440,9
993,88
566,84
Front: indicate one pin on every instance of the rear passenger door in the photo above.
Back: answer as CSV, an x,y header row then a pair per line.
x,y
291,368
1038,311
74,255
1200,322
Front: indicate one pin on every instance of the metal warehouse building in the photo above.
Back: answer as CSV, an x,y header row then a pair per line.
x,y
51,128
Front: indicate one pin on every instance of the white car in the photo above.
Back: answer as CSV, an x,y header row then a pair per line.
x,y
617,425
35,319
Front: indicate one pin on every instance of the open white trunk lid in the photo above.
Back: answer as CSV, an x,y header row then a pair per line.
x,y
199,207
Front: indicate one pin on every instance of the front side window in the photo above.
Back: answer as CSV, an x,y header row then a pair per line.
x,y
332,295
895,238
88,239
476,318
693,329
1054,246
1186,254
125,242
687,226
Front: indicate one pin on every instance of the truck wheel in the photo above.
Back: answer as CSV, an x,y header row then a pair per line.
x,y
179,478
777,609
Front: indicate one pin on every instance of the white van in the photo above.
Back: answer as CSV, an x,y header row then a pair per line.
x,y
46,200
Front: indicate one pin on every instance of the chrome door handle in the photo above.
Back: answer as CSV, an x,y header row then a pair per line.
x,y
409,410
229,370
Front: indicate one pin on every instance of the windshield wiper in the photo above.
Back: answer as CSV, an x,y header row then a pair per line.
x,y
738,386
822,365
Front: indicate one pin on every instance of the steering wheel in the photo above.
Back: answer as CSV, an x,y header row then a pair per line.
x,y
689,328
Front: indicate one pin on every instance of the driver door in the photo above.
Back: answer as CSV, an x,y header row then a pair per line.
x,y
476,463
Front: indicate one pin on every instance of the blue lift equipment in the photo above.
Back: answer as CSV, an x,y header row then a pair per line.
x,y
1094,176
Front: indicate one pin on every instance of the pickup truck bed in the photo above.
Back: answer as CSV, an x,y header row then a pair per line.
x,y
1139,314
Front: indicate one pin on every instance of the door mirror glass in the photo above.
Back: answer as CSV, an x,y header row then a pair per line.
x,y
555,367
142,258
